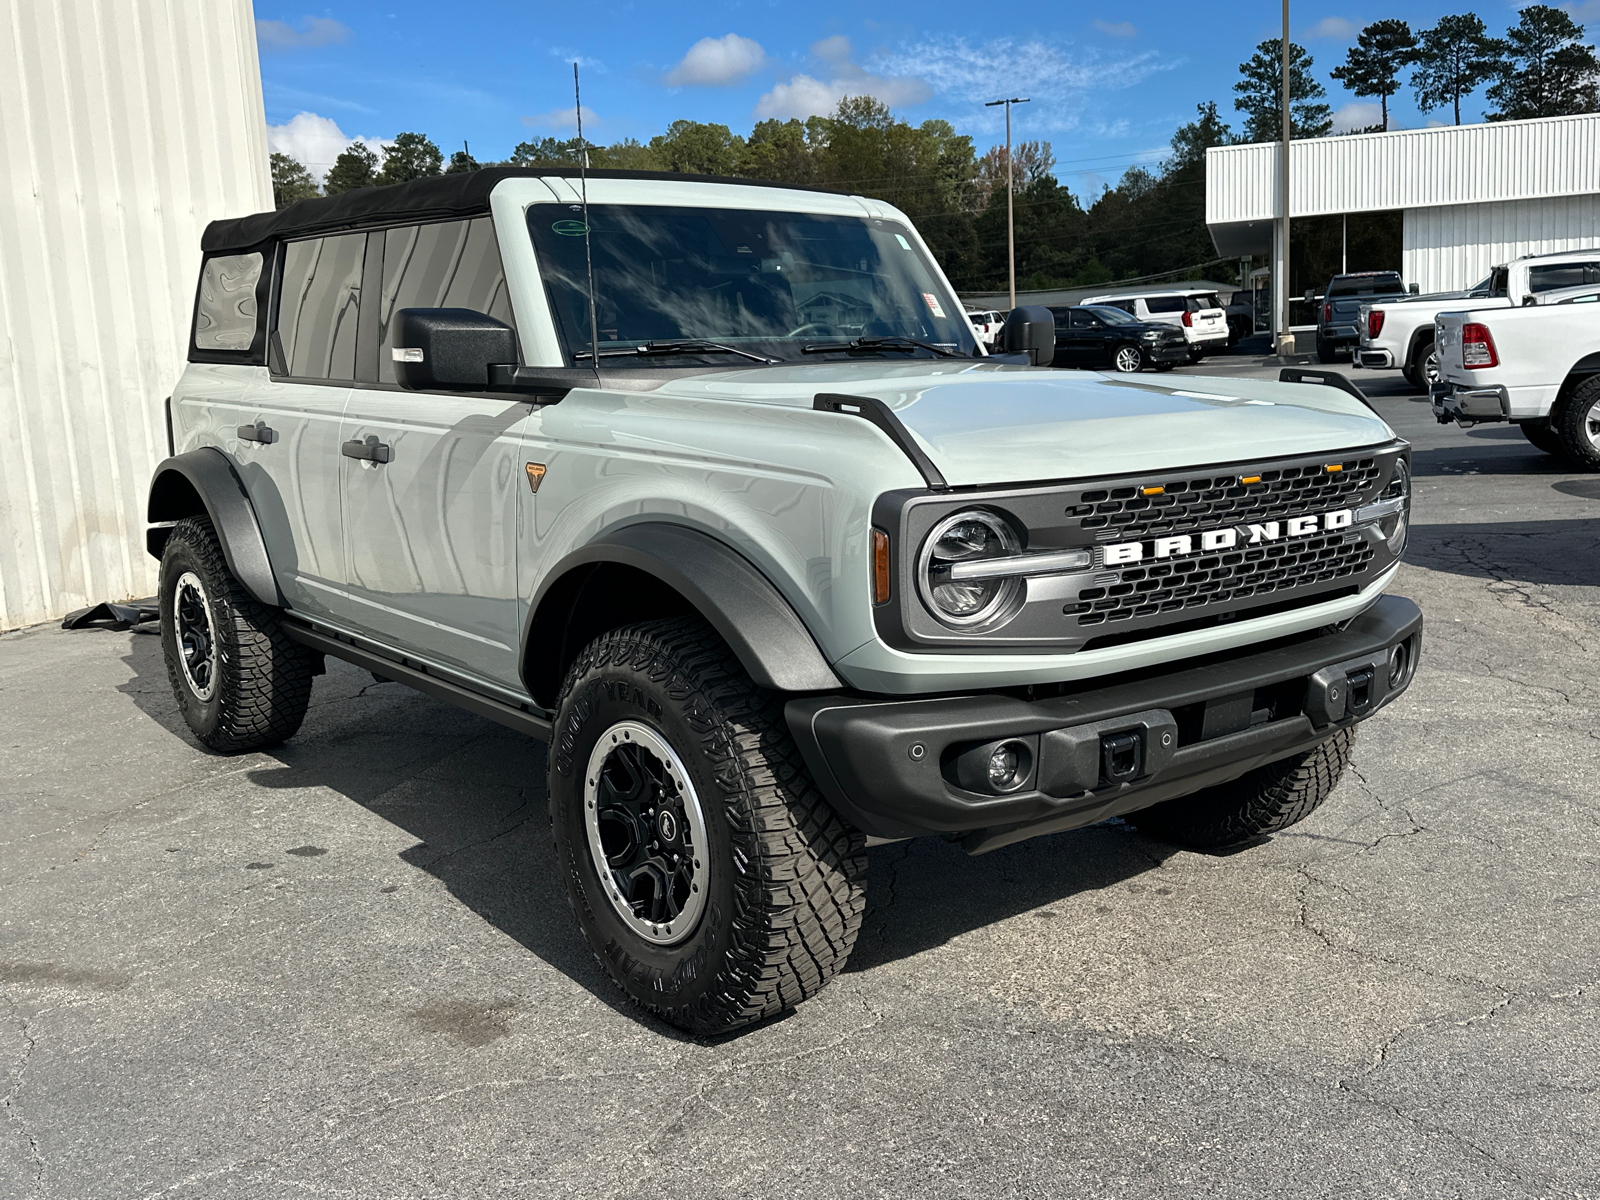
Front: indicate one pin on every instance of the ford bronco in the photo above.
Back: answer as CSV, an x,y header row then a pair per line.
x,y
709,484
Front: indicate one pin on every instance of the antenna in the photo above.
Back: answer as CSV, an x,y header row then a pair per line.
x,y
588,254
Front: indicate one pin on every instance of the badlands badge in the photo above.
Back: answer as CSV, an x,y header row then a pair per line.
x,y
1121,554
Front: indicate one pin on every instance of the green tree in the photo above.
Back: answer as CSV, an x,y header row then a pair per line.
x,y
461,162
1191,141
1548,70
1454,59
410,156
546,151
356,167
783,151
697,148
626,155
1372,66
1260,94
291,182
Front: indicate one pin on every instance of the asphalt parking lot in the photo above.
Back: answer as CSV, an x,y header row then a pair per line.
x,y
345,967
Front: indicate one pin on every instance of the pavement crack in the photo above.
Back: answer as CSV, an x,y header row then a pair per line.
x,y
9,1101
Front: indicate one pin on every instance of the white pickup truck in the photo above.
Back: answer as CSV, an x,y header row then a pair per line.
x,y
1537,367
1400,334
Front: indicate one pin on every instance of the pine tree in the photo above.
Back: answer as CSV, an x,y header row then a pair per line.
x,y
356,167
1548,71
1454,59
410,156
1261,91
1372,66
461,162
291,182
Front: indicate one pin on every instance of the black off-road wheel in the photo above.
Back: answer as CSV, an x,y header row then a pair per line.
x,y
1577,424
240,683
710,877
1267,800
1541,437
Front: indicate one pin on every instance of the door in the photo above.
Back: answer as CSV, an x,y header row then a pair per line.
x,y
431,517
1085,339
286,435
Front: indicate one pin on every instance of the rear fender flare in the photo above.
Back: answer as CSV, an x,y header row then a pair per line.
x,y
759,625
1421,338
204,480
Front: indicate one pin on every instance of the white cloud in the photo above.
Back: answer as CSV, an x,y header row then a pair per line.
x,y
1117,28
562,118
1356,116
1586,12
717,62
316,141
315,31
805,96
1333,28
836,49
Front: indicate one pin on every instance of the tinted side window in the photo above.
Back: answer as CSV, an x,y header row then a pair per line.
x,y
225,314
1165,304
1082,320
1544,279
454,264
1062,316
318,304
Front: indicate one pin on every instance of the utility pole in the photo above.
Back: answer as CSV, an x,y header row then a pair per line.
x,y
1280,269
1011,225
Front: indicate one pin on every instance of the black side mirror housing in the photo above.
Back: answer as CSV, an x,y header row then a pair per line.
x,y
1031,330
449,349
1415,289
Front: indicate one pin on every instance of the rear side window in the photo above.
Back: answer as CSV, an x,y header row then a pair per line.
x,y
1560,275
1165,304
225,313
318,305
453,264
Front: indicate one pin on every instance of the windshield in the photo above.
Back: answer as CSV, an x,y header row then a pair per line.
x,y
769,282
1112,316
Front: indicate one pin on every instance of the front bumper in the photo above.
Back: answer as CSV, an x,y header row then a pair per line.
x,y
897,769
1469,406
1165,352
1375,359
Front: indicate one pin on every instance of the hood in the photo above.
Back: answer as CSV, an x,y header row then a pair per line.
x,y
983,423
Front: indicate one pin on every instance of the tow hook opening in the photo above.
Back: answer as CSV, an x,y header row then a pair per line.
x,y
1121,757
1359,692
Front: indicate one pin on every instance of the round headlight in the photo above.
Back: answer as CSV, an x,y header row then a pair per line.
x,y
1394,528
964,598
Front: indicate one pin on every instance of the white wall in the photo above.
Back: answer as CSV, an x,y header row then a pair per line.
x,y
1454,247
129,124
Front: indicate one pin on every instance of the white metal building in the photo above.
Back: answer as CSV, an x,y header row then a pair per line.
x,y
128,126
1470,196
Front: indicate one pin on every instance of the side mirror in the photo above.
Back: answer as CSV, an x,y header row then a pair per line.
x,y
1031,330
1415,289
449,349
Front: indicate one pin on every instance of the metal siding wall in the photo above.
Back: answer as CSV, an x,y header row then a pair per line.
x,y
1454,247
128,127
1414,168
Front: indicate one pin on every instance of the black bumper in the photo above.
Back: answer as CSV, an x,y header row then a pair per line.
x,y
1168,352
906,767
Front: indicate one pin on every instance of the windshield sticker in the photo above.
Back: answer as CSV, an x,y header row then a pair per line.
x,y
570,228
901,238
932,302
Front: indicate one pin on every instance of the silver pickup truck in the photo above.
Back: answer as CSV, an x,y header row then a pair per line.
x,y
710,485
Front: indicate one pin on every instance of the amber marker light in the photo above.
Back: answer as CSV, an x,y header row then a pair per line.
x,y
535,476
1153,491
1249,479
1332,467
880,567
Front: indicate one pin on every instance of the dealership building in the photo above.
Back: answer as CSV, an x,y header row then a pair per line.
x,y
1442,205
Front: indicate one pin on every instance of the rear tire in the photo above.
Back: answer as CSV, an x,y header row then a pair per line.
x,y
1542,437
240,683
1423,369
1577,424
1267,800
769,884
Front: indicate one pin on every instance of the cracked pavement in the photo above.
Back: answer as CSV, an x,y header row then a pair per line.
x,y
345,967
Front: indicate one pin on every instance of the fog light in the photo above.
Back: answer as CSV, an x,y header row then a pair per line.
x,y
1003,764
1399,660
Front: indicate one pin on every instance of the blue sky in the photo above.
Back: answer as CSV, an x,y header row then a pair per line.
x,y
1108,83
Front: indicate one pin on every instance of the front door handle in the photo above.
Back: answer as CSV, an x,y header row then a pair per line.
x,y
372,450
259,432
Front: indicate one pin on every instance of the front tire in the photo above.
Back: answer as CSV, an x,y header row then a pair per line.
x,y
1127,360
1267,800
711,879
240,683
1326,353
1577,424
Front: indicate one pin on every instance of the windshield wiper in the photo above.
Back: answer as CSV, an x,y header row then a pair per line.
x,y
879,343
690,346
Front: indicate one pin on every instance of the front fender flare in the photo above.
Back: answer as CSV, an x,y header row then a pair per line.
x,y
207,474
741,604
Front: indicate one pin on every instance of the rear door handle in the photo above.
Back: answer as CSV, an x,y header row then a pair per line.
x,y
372,450
259,432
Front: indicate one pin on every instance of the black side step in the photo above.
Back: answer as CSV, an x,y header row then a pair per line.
x,y
881,415
524,720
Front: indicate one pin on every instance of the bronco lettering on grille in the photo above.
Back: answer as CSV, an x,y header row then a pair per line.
x,y
1122,553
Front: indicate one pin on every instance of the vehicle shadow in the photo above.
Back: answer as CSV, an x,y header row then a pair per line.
x,y
1538,552
472,793
1489,453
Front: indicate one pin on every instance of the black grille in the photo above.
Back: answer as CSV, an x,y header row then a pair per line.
x,y
1224,577
1182,505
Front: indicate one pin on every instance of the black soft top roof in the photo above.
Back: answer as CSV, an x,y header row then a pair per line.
x,y
439,198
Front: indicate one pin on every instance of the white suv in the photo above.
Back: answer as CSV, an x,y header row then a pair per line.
x,y
1199,314
987,325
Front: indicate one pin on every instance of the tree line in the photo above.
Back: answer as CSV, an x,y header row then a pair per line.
x,y
1151,224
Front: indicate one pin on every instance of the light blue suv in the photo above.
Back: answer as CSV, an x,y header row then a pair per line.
x,y
709,484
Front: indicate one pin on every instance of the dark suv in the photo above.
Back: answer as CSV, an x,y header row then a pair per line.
x,y
1339,318
1097,335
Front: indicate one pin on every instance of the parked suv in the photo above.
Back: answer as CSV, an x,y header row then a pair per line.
x,y
710,486
1339,316
1199,315
1102,336
986,324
